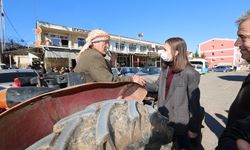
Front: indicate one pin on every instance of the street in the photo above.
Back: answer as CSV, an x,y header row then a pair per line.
x,y
218,90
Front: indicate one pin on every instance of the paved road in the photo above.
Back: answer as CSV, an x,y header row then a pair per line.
x,y
218,90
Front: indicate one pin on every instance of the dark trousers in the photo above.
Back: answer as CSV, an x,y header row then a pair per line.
x,y
182,142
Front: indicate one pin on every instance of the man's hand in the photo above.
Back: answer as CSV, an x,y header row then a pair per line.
x,y
192,135
139,80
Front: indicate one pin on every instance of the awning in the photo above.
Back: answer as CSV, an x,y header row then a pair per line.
x,y
60,54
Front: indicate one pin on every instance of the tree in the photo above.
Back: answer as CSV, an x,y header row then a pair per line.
x,y
203,55
196,54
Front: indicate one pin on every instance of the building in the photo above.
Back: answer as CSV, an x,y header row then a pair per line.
x,y
21,57
220,52
61,44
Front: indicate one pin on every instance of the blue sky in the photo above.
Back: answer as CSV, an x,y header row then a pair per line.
x,y
194,20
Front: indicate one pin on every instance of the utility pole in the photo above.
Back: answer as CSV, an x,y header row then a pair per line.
x,y
2,30
141,49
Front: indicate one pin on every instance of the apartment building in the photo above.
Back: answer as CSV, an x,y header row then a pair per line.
x,y
219,51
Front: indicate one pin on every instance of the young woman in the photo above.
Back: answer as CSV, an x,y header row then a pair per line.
x,y
178,92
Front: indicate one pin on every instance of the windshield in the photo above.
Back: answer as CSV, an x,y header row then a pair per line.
x,y
196,62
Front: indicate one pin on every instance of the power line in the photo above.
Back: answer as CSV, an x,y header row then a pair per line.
x,y
12,25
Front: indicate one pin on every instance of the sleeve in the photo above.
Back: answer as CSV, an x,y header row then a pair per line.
x,y
99,71
152,86
194,101
239,130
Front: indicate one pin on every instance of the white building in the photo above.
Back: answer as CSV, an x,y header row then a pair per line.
x,y
61,44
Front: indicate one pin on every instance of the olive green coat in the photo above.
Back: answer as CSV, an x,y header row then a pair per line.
x,y
95,68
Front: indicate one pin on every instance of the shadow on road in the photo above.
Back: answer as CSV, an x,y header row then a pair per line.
x,y
213,125
233,77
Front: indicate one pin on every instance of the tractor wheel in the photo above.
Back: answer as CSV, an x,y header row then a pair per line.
x,y
113,124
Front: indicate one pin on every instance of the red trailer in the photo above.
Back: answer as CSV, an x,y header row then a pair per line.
x,y
33,119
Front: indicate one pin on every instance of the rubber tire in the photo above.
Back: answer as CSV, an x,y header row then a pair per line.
x,y
113,124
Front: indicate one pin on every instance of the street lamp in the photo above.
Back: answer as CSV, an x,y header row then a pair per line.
x,y
140,35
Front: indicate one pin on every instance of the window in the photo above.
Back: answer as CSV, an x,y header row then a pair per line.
x,y
122,46
222,52
59,40
143,48
56,41
63,37
64,41
132,47
222,59
117,46
212,53
53,36
81,42
10,76
196,62
158,48
150,48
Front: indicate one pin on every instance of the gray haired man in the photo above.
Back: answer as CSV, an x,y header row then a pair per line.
x,y
237,132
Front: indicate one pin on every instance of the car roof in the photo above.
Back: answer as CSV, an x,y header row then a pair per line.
x,y
16,70
9,75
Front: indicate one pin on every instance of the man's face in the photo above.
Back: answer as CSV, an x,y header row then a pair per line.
x,y
243,41
101,46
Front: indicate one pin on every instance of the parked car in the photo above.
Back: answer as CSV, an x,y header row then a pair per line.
x,y
18,85
154,70
3,66
9,77
233,68
116,72
128,71
141,71
221,69
152,73
198,68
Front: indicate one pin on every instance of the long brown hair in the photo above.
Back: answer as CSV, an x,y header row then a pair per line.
x,y
181,60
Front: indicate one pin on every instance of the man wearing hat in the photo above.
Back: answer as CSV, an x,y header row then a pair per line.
x,y
92,63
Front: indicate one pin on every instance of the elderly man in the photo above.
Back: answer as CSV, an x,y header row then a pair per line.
x,y
92,63
237,132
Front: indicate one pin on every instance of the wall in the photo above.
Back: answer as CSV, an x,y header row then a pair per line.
x,y
219,51
21,61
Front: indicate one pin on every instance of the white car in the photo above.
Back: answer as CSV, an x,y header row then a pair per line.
x,y
198,68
